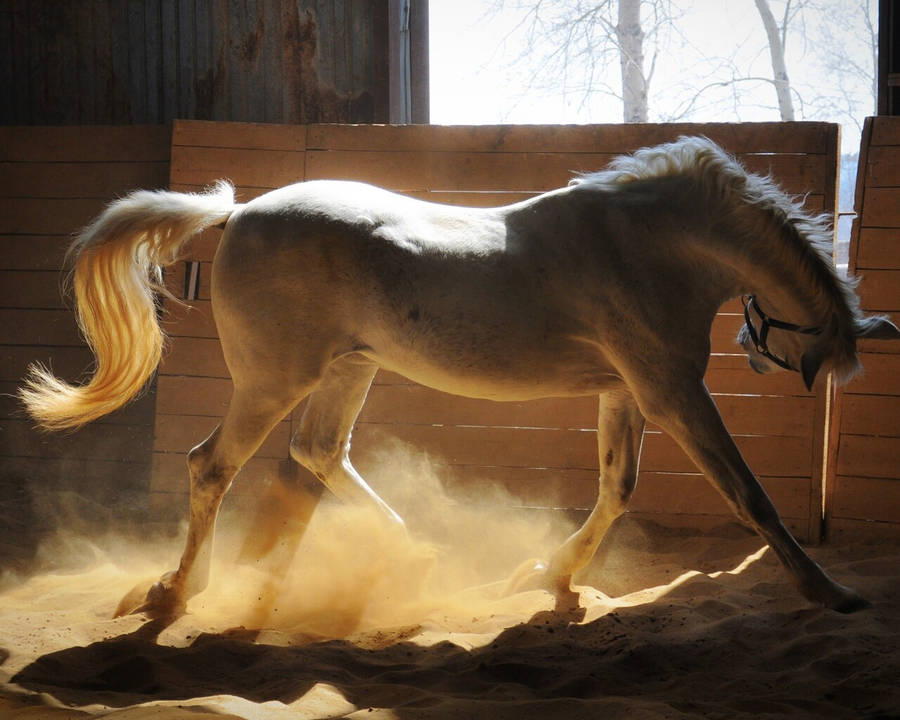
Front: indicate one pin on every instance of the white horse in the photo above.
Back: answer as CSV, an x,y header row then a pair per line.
x,y
606,287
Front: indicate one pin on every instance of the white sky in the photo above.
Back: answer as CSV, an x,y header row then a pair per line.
x,y
476,79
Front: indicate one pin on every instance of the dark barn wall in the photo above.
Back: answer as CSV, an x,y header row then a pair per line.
x,y
88,93
128,62
53,180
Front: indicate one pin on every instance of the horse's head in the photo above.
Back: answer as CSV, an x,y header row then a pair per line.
x,y
772,344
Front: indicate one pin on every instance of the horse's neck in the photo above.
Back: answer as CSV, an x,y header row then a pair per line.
x,y
767,270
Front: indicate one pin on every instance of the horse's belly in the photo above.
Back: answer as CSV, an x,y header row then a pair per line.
x,y
519,374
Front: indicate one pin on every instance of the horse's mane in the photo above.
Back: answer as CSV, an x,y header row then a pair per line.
x,y
728,189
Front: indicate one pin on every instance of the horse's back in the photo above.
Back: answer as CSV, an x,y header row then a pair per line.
x,y
451,297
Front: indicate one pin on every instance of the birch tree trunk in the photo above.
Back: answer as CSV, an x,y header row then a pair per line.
x,y
779,67
630,39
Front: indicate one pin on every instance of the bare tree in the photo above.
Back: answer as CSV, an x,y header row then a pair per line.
x,y
573,42
571,45
777,37
848,51
630,41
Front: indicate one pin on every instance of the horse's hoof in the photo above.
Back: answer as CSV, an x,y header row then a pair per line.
x,y
847,600
530,575
537,575
160,600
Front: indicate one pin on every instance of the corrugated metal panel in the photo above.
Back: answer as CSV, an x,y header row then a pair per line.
x,y
150,61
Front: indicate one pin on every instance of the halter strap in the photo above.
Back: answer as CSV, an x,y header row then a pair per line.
x,y
759,340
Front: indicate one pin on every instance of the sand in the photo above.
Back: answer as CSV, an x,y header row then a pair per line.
x,y
371,623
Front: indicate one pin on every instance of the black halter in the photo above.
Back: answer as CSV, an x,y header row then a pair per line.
x,y
759,340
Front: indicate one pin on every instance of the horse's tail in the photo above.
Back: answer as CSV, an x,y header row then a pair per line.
x,y
117,269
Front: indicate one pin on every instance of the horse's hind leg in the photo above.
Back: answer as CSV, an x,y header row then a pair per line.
x,y
620,431
322,444
251,415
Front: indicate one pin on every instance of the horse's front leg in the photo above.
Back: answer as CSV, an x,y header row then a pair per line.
x,y
687,412
620,430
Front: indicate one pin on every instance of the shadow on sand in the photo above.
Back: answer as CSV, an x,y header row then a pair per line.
x,y
670,658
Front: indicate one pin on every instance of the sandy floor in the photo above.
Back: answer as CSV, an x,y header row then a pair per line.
x,y
372,624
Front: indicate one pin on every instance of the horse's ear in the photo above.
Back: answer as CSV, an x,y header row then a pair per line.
x,y
813,358
878,328
809,365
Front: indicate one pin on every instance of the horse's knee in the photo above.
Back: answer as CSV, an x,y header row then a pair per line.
x,y
316,452
207,473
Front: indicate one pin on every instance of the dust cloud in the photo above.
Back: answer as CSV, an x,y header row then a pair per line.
x,y
351,572
355,573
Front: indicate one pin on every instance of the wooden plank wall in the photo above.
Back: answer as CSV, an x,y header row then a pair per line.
x,y
52,182
149,61
864,479
544,452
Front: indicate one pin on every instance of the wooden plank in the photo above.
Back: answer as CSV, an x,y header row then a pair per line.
x,y
885,131
880,376
179,433
98,479
86,143
724,332
732,374
866,498
880,207
38,327
867,456
845,530
415,404
197,357
886,347
254,168
800,138
247,136
67,362
879,290
714,523
772,456
541,487
194,320
458,171
794,173
106,442
871,415
680,493
103,180
437,171
878,248
781,456
49,216
33,252
169,473
883,167
486,446
30,289
772,415
180,395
